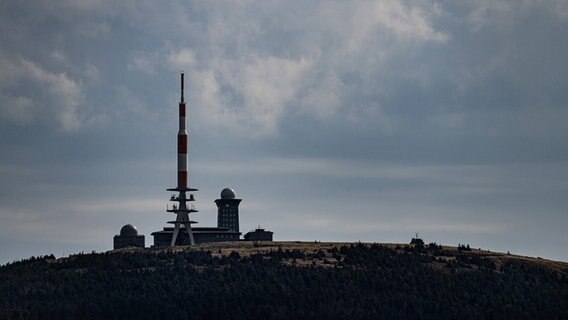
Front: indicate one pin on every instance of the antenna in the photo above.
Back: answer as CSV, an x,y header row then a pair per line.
x,y
181,209
182,86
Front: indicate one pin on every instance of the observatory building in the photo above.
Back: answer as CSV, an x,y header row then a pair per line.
x,y
228,210
227,225
128,237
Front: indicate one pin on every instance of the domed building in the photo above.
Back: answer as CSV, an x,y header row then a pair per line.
x,y
128,237
228,210
227,225
228,193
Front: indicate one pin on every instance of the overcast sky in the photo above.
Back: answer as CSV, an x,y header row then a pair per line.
x,y
332,120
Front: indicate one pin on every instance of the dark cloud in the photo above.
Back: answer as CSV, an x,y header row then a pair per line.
x,y
333,120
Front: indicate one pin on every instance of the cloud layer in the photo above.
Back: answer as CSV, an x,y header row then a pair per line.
x,y
333,120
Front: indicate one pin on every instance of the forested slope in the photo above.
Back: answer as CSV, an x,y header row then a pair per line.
x,y
354,281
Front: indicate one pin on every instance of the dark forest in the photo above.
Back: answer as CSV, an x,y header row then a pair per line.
x,y
354,281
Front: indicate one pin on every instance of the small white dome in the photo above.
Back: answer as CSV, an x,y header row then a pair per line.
x,y
128,231
228,193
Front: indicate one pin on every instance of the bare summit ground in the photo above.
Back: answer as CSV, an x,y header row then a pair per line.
x,y
324,254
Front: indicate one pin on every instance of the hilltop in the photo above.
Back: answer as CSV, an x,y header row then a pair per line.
x,y
309,280
446,255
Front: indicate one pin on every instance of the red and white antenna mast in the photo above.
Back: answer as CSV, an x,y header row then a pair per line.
x,y
182,211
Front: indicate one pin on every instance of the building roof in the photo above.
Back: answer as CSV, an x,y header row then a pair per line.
x,y
259,230
128,231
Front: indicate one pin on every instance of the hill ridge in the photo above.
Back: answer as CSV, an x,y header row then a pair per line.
x,y
283,280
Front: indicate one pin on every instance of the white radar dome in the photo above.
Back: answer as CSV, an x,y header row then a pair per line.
x,y
228,193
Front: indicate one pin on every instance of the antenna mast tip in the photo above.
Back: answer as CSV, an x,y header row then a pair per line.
x,y
182,100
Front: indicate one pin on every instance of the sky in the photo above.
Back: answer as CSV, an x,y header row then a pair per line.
x,y
333,120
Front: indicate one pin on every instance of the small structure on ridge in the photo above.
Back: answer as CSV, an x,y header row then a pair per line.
x,y
128,237
417,241
259,235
